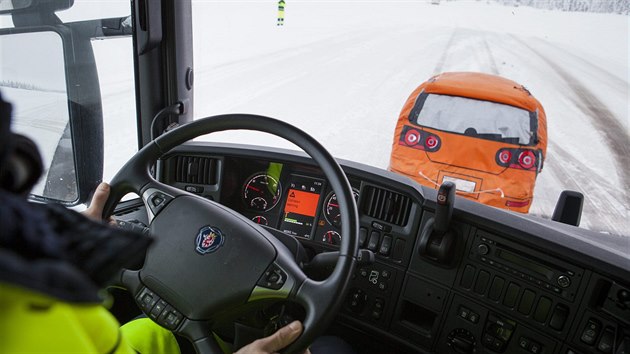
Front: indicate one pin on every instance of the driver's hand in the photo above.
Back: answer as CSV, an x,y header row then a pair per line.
x,y
282,338
95,210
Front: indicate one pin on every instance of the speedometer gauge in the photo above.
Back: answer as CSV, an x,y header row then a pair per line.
x,y
332,238
331,208
261,192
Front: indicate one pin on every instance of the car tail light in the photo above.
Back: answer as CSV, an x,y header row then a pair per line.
x,y
412,137
527,159
431,142
419,139
517,204
522,159
505,156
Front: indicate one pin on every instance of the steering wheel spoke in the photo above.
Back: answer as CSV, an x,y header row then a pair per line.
x,y
199,333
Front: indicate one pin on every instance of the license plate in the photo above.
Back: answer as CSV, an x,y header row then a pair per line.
x,y
461,184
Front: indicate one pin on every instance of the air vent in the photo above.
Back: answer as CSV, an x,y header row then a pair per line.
x,y
195,169
386,205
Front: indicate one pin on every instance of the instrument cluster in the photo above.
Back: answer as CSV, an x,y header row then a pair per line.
x,y
293,199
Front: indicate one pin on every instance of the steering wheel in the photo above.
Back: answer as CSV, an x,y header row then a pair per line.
x,y
208,261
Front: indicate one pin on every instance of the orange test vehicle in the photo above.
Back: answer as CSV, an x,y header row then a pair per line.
x,y
485,133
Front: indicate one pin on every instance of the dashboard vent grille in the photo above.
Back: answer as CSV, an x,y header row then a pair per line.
x,y
195,169
387,205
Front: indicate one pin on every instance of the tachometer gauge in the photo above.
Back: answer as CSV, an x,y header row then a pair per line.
x,y
261,220
331,208
262,192
332,238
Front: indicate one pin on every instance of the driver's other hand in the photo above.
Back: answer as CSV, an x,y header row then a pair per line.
x,y
282,338
95,210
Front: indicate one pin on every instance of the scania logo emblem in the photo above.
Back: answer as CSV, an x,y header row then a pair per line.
x,y
209,239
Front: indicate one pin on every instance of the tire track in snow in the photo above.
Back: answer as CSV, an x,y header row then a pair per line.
x,y
570,171
440,64
601,117
472,46
493,65
619,83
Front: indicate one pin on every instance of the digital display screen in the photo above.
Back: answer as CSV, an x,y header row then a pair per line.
x,y
301,204
508,256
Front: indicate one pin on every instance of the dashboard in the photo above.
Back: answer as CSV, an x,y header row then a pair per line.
x,y
508,283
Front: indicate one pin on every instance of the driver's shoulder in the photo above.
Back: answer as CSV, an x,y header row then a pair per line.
x,y
37,322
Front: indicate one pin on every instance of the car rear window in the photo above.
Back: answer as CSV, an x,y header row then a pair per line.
x,y
476,118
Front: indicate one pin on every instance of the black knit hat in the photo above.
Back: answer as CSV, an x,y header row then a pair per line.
x,y
20,160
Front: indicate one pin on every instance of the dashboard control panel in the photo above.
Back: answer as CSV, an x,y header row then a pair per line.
x,y
501,292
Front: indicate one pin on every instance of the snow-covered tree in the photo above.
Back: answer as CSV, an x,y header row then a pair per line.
x,y
608,6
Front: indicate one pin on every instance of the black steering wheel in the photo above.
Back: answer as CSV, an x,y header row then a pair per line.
x,y
208,261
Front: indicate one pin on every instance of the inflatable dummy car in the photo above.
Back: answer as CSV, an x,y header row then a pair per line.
x,y
485,133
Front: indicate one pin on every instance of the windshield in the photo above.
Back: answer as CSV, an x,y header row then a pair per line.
x,y
480,119
343,70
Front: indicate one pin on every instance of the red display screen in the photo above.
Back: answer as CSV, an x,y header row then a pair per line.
x,y
300,207
300,202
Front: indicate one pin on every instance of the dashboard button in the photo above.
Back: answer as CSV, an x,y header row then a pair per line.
x,y
373,242
473,317
170,318
463,312
357,300
385,246
606,341
511,295
157,309
496,288
381,227
542,309
524,343
194,189
559,317
498,345
590,332
482,282
147,299
273,278
399,250
487,340
362,236
468,277
379,304
536,348
527,301
157,201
